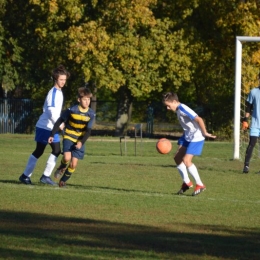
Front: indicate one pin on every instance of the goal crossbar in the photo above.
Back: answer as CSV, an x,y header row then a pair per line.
x,y
237,103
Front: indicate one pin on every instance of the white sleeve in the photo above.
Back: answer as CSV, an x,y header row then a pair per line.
x,y
54,114
54,101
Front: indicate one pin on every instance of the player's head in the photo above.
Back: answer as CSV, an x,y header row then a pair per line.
x,y
84,97
60,76
170,100
84,92
170,96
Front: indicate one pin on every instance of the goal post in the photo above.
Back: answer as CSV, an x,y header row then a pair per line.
x,y
237,96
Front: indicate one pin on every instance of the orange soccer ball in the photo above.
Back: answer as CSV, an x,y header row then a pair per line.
x,y
163,146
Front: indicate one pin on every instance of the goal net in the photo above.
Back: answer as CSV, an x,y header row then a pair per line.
x,y
245,79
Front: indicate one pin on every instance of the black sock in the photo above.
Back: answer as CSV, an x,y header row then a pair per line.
x,y
65,176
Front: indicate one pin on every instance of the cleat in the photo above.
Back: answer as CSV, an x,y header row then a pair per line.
x,y
24,179
47,180
198,190
184,187
59,172
62,184
246,169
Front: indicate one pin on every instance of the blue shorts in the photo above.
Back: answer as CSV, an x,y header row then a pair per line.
x,y
194,148
255,131
181,140
69,146
42,136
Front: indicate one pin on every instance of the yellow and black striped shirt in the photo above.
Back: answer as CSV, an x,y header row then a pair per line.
x,y
77,120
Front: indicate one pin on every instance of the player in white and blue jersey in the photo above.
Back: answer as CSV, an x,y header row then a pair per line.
x,y
51,112
78,122
252,108
190,144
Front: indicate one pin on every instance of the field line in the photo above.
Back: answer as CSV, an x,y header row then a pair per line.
x,y
131,192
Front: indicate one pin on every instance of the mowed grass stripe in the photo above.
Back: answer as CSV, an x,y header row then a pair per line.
x,y
173,196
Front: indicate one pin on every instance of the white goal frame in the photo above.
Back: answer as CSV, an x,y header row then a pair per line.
x,y
237,104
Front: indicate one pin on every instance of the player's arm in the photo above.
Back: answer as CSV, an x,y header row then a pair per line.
x,y
202,126
87,133
59,124
86,136
55,129
249,108
54,103
54,114
63,118
56,126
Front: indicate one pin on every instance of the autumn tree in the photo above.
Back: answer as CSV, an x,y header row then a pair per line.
x,y
135,49
210,29
10,50
128,51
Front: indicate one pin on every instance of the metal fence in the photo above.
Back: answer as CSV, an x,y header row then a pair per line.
x,y
21,115
15,115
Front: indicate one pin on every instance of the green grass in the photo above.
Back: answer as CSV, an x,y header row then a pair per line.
x,y
125,207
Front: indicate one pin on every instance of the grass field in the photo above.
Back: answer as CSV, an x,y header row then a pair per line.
x,y
126,207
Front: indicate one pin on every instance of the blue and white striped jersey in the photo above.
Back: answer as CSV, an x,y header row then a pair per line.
x,y
51,109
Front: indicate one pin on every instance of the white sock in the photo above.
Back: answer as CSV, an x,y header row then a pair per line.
x,y
30,166
194,173
183,172
50,165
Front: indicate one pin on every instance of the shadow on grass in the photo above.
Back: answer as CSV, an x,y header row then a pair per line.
x,y
107,188
138,164
86,187
39,236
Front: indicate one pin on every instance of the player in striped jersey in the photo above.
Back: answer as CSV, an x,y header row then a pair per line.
x,y
78,121
51,112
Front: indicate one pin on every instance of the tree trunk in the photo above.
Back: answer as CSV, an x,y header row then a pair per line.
x,y
93,104
124,111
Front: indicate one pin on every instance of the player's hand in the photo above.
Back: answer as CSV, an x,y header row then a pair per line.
x,y
245,125
62,126
210,135
50,140
78,145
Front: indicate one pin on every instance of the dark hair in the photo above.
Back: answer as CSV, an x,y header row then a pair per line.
x,y
170,96
83,91
60,70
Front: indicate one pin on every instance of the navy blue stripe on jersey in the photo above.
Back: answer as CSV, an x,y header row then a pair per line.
x,y
77,122
182,109
54,91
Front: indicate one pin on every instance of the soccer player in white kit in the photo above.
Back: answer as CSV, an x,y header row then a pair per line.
x,y
51,112
190,144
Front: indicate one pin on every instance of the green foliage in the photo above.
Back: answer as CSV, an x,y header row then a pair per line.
x,y
10,52
147,47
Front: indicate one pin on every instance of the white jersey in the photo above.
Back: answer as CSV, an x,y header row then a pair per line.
x,y
192,132
51,109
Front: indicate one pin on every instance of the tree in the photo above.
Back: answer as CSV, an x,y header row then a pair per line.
x,y
210,28
10,51
135,49
128,51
